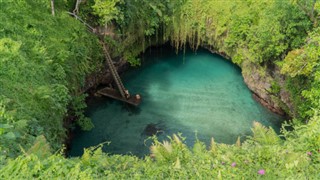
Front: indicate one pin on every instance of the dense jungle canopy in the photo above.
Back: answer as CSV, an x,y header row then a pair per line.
x,y
46,55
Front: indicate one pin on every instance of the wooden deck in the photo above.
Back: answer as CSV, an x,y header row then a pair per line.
x,y
112,93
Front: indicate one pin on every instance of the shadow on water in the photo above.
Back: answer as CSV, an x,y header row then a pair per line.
x,y
192,94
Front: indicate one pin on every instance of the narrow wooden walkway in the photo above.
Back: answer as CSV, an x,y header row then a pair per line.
x,y
122,92
112,93
113,70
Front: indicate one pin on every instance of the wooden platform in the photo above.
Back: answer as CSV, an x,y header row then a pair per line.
x,y
112,93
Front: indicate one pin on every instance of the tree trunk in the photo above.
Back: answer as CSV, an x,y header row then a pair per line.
x,y
76,8
52,7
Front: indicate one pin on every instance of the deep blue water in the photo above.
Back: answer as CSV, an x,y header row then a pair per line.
x,y
200,95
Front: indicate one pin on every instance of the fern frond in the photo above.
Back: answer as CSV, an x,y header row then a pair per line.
x,y
167,146
264,135
213,146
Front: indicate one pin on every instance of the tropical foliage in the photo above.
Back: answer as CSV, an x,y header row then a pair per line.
x,y
302,65
254,34
44,60
263,156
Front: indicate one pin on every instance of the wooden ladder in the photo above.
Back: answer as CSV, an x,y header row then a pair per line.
x,y
113,70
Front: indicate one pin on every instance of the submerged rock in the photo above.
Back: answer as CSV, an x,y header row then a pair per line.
x,y
152,129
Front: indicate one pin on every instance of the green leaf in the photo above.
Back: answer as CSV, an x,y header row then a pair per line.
x,y
10,135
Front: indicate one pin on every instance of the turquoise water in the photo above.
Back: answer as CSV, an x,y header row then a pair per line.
x,y
199,95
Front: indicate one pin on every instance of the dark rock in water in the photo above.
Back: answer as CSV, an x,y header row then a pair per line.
x,y
151,129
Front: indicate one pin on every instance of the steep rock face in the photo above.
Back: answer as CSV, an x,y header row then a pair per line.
x,y
268,87
103,77
284,95
259,80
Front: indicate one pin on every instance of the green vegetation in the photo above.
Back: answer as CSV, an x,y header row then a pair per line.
x,y
302,66
264,156
44,60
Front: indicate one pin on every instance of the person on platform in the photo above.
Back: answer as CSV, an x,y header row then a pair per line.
x,y
138,97
127,94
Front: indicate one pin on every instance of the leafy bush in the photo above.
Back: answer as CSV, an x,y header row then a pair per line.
x,y
44,59
264,155
43,62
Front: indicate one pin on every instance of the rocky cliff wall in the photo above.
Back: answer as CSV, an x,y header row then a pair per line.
x,y
103,77
267,85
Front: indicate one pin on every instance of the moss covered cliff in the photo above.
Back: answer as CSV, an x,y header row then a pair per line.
x,y
45,59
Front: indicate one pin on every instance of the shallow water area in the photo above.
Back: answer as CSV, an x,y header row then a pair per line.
x,y
200,95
